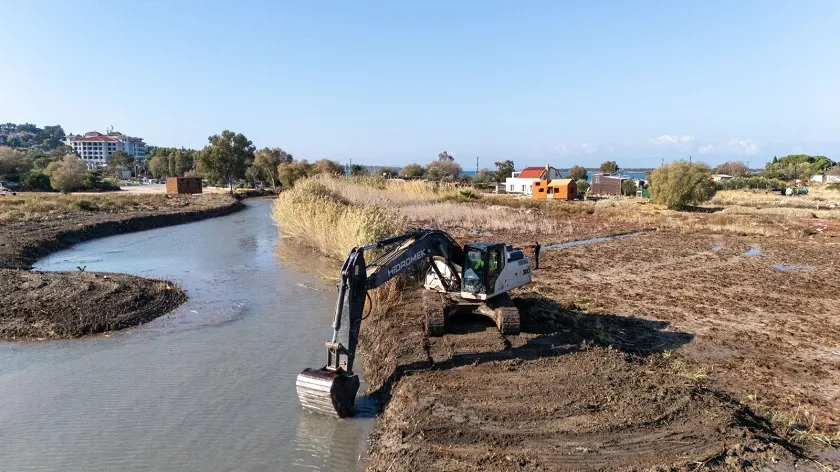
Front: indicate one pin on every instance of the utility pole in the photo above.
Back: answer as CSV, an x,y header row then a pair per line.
x,y
689,159
663,161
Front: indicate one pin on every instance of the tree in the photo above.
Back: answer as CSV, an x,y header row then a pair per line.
x,y
117,161
412,171
443,171
609,167
733,168
797,166
681,184
53,136
504,169
159,166
483,178
358,169
582,187
36,181
628,188
13,162
266,161
445,157
578,173
388,172
290,172
227,156
67,174
326,166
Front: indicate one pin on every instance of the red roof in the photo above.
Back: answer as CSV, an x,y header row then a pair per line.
x,y
531,173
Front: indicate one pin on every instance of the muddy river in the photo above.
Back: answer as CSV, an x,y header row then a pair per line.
x,y
209,387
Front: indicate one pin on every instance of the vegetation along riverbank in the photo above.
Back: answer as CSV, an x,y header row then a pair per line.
x,y
39,305
707,338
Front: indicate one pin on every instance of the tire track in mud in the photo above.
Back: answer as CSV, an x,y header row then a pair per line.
x,y
569,393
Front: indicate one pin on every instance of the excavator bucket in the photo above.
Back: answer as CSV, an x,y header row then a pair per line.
x,y
328,392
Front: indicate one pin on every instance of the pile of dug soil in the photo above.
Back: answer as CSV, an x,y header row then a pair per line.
x,y
52,305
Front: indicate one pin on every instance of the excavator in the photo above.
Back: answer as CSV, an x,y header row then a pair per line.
x,y
476,278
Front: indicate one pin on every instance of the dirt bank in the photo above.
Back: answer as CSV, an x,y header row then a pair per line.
x,y
52,305
25,241
70,304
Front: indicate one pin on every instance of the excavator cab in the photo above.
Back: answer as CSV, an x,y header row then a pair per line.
x,y
483,262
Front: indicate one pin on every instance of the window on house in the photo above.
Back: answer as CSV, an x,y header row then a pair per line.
x,y
523,188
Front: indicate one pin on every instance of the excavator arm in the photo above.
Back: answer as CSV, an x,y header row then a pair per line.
x,y
333,388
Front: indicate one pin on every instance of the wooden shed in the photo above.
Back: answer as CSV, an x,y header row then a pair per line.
x,y
606,184
183,185
559,189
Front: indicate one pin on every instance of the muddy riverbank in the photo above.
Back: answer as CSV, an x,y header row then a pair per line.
x,y
56,305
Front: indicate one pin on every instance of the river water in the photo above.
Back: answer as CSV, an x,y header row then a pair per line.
x,y
209,387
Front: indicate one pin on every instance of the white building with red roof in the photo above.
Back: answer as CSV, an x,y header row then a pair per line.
x,y
95,147
522,181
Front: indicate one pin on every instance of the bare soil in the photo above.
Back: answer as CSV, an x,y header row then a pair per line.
x,y
51,305
668,350
35,305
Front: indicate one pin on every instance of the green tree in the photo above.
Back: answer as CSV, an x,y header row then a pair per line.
x,y
445,157
388,172
326,166
412,171
53,136
159,166
504,169
266,161
733,168
578,173
628,187
609,167
68,174
483,178
36,181
443,171
227,156
681,184
118,161
358,169
582,187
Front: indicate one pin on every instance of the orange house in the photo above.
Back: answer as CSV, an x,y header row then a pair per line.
x,y
558,189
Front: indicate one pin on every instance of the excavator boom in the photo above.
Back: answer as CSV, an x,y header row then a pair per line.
x,y
332,388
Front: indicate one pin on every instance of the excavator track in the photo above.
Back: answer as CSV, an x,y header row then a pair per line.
x,y
504,313
433,305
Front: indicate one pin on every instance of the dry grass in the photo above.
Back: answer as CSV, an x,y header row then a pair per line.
x,y
818,198
798,426
734,219
35,206
315,215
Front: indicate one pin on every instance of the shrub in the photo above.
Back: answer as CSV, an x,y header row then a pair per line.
x,y
68,174
833,186
628,188
36,181
754,182
582,187
680,184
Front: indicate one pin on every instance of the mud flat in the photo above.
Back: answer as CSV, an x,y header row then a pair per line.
x,y
37,305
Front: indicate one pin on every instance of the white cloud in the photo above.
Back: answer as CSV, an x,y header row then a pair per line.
x,y
669,139
744,146
705,149
584,148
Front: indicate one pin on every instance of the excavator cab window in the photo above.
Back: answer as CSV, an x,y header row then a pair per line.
x,y
474,270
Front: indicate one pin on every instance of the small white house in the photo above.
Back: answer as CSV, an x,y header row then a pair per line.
x,y
522,181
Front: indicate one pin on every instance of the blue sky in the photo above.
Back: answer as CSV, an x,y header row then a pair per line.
x,y
396,82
